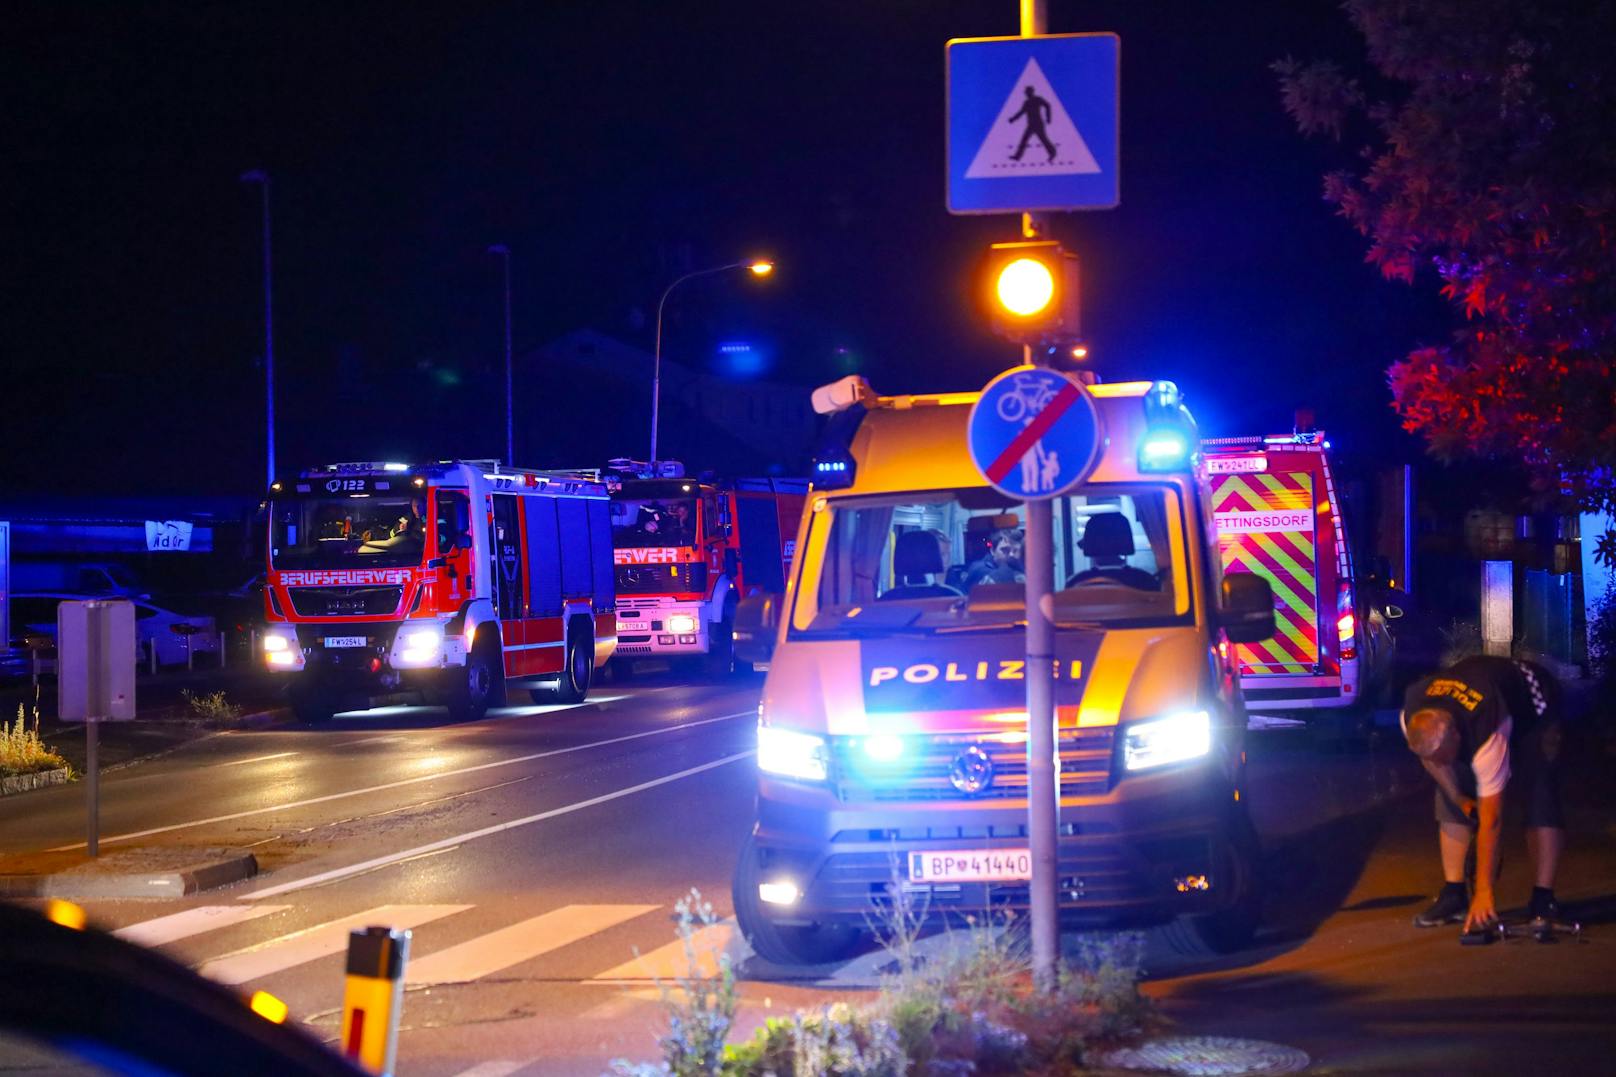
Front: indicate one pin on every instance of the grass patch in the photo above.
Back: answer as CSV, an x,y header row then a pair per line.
x,y
210,708
21,750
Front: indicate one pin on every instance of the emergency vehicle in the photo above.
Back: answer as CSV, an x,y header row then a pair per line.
x,y
452,579
687,550
1278,511
892,732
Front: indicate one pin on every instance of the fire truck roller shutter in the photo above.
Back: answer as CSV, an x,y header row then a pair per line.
x,y
577,574
600,556
759,524
543,557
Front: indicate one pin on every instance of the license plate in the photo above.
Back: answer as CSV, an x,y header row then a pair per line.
x,y
345,641
970,865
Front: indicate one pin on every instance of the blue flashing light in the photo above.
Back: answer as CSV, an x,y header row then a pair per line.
x,y
833,471
734,348
1164,449
884,747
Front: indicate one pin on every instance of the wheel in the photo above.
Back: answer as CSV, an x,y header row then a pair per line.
x,y
476,687
572,685
720,658
1232,928
813,945
310,704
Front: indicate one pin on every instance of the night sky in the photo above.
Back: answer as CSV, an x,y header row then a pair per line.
x,y
612,146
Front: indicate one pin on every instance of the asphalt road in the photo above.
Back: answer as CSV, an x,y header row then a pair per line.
x,y
537,856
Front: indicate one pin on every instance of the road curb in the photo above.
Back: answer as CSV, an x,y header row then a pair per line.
x,y
137,873
22,783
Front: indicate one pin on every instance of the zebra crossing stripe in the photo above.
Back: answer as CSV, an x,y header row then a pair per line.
x,y
182,925
497,950
671,961
321,940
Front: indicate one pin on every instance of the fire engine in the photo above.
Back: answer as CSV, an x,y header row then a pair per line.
x,y
1278,512
452,580
687,550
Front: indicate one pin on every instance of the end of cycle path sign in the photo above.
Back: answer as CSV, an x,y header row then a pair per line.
x,y
1033,123
1034,433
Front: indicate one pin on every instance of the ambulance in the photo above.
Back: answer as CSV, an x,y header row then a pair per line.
x,y
452,581
892,733
687,550
1278,511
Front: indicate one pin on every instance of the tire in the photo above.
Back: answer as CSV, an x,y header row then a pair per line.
x,y
310,704
476,687
1230,929
719,661
572,685
786,946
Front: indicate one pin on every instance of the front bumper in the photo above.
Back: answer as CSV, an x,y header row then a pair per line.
x,y
648,633
1122,854
382,660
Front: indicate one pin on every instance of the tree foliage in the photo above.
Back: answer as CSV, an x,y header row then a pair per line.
x,y
1493,167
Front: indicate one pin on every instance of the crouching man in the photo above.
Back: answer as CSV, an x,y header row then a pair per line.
x,y
1481,727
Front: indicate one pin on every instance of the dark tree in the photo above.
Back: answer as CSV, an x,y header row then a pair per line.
x,y
1493,167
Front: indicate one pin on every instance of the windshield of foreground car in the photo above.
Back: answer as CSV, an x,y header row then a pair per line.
x,y
951,560
348,532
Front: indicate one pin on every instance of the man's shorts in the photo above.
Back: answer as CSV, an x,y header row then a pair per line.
x,y
1534,780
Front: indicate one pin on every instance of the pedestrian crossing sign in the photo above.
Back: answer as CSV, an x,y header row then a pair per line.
x,y
1032,123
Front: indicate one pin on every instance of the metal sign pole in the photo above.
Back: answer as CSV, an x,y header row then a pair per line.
x,y
92,725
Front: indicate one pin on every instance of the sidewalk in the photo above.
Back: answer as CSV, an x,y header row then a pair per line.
x,y
163,716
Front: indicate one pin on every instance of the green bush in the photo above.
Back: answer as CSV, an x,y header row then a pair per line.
x,y
212,708
21,750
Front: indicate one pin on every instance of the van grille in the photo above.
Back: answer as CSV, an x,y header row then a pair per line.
x,y
922,773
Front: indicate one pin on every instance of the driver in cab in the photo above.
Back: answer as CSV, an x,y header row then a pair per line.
x,y
407,531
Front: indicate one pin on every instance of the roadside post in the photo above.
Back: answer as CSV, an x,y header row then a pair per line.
x,y
1034,434
373,997
95,681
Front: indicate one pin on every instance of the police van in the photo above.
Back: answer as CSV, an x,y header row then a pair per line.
x,y
892,736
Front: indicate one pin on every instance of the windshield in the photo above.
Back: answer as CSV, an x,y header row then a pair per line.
x,y
348,532
953,559
653,521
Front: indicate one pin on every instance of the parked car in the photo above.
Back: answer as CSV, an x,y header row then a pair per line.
x,y
174,635
80,577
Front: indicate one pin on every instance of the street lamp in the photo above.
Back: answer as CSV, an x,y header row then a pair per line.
x,y
510,428
261,178
757,267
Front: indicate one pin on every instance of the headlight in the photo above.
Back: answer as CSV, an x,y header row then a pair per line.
x,y
681,622
791,754
1160,741
422,639
275,643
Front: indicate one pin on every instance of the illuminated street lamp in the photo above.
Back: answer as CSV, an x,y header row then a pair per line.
x,y
757,267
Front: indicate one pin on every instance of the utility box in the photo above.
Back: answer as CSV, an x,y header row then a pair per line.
x,y
96,653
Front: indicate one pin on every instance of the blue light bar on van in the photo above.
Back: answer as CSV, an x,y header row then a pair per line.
x,y
833,469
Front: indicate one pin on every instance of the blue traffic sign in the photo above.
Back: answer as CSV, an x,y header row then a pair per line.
x,y
1032,123
1034,433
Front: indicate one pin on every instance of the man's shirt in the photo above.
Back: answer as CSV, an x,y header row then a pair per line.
x,y
1488,698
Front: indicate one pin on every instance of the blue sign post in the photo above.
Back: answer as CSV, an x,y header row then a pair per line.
x,y
1033,123
1034,433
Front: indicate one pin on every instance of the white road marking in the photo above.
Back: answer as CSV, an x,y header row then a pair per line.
x,y
405,781
316,942
476,958
492,1069
458,839
182,925
254,759
670,962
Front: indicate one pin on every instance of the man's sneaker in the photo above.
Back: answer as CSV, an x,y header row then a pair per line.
x,y
1543,908
1449,907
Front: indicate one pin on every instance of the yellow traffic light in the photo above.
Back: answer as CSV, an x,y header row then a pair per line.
x,y
1025,286
761,268
1030,290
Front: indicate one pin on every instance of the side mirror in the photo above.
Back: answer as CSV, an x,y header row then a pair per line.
x,y
463,542
1247,610
757,621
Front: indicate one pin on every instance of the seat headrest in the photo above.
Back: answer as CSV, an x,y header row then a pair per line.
x,y
916,554
1108,535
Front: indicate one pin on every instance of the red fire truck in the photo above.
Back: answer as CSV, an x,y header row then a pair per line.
x,y
687,550
452,580
1278,514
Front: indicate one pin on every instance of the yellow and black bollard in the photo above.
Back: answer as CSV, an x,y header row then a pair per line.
x,y
373,996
